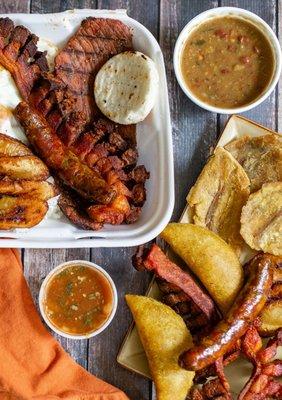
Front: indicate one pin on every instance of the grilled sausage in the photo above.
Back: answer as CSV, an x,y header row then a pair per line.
x,y
247,306
66,165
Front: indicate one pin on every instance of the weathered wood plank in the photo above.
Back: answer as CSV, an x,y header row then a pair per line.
x,y
146,12
194,129
16,6
265,113
42,6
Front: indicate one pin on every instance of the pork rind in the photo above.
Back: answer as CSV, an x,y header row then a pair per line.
x,y
261,219
217,198
261,158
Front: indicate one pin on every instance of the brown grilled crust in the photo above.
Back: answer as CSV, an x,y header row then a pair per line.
x,y
88,49
70,207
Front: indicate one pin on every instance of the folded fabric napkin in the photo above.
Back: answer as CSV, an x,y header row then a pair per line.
x,y
32,363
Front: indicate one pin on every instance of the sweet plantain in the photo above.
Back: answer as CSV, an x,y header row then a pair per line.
x,y
34,189
12,147
23,167
20,212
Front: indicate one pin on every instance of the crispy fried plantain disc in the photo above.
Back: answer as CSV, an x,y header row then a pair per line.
x,y
217,198
261,158
261,219
23,167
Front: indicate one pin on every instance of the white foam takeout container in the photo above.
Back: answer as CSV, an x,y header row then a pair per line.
x,y
154,146
131,354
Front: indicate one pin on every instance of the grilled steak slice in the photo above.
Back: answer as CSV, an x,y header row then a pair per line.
x,y
77,64
19,55
157,262
60,159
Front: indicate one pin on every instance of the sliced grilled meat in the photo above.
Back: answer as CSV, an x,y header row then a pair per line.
x,y
77,64
19,55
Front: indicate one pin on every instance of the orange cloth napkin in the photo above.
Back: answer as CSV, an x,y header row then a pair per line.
x,y
32,363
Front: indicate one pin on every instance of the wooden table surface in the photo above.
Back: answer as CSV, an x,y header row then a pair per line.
x,y
194,132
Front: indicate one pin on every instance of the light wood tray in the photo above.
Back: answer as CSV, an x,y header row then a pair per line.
x,y
131,354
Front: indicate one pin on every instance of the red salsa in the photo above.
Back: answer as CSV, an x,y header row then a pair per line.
x,y
78,300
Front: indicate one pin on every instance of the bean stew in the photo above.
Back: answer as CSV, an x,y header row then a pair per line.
x,y
227,62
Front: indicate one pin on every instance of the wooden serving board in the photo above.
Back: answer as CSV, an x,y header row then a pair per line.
x,y
131,354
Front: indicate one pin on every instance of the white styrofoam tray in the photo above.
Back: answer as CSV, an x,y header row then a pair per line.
x,y
131,354
154,146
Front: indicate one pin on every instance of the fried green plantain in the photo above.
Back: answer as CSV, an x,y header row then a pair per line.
x,y
164,336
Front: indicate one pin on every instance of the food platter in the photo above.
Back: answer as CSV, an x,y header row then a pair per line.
x,y
154,146
131,354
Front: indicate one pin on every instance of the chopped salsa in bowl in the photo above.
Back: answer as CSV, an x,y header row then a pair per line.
x,y
227,62
78,300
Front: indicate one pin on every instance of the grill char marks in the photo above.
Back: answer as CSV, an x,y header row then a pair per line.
x,y
97,40
19,55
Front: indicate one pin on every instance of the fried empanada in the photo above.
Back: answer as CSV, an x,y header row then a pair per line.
x,y
261,158
210,258
164,336
217,198
261,219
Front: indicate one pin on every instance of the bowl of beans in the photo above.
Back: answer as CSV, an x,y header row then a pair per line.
x,y
227,60
78,299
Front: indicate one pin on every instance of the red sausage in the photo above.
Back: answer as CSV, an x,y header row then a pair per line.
x,y
247,306
67,166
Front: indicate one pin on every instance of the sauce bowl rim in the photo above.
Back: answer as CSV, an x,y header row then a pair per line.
x,y
233,12
55,271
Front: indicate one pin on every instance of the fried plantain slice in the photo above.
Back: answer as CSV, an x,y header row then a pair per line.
x,y
25,167
12,147
261,219
261,158
39,190
19,212
210,258
217,198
